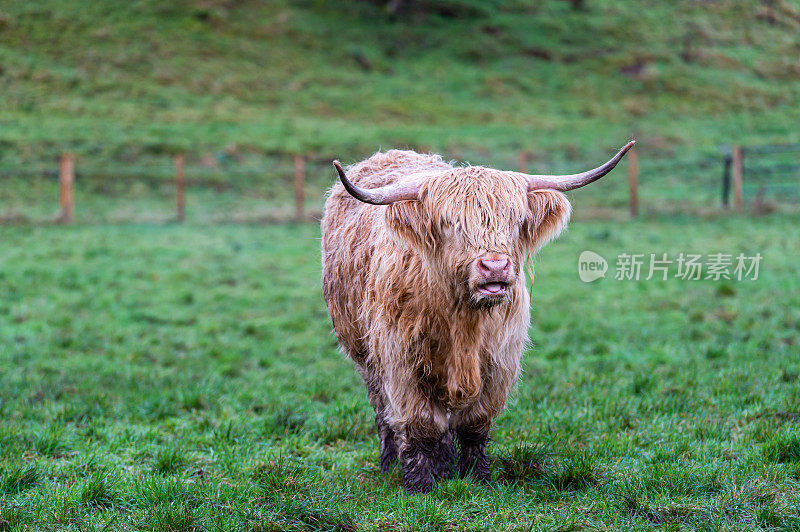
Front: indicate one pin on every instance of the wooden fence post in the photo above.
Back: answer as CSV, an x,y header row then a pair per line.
x,y
299,187
66,181
726,182
737,156
522,162
180,187
633,181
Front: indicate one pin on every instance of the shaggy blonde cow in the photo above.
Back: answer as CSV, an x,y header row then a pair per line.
x,y
422,273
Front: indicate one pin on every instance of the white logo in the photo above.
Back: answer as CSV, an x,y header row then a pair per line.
x,y
591,266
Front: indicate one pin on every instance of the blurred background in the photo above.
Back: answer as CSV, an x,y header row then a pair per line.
x,y
256,95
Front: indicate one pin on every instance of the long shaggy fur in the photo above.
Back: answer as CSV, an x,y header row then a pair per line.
x,y
400,289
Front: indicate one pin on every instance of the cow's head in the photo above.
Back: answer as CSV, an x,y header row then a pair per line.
x,y
475,225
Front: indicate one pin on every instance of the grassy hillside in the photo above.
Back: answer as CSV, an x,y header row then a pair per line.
x,y
115,77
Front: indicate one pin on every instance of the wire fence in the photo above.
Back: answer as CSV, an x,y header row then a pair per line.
x,y
772,173
258,188
215,191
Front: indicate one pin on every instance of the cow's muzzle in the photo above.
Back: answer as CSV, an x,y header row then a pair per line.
x,y
492,276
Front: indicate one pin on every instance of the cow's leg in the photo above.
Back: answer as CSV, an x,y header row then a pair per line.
x,y
418,459
445,455
388,443
420,422
473,459
386,435
427,458
425,447
472,426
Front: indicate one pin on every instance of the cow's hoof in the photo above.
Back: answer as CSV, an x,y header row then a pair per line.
x,y
477,467
445,456
414,486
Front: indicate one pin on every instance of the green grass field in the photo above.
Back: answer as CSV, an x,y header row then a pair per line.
x,y
167,377
186,378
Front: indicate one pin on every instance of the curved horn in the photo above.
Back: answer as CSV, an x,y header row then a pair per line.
x,y
570,182
382,195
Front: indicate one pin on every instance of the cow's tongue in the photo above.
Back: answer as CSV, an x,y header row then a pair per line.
x,y
493,287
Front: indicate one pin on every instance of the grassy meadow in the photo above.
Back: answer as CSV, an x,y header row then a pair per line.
x,y
165,377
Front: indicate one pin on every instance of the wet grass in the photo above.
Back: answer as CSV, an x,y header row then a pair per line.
x,y
185,378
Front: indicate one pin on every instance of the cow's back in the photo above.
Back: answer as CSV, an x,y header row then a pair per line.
x,y
353,233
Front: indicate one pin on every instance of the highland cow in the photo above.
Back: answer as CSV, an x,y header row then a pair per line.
x,y
422,273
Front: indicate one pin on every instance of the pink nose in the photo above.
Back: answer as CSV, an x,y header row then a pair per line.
x,y
495,266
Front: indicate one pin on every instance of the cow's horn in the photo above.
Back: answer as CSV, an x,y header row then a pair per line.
x,y
382,195
569,182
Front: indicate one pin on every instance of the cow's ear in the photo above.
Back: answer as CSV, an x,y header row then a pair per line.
x,y
548,214
408,222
